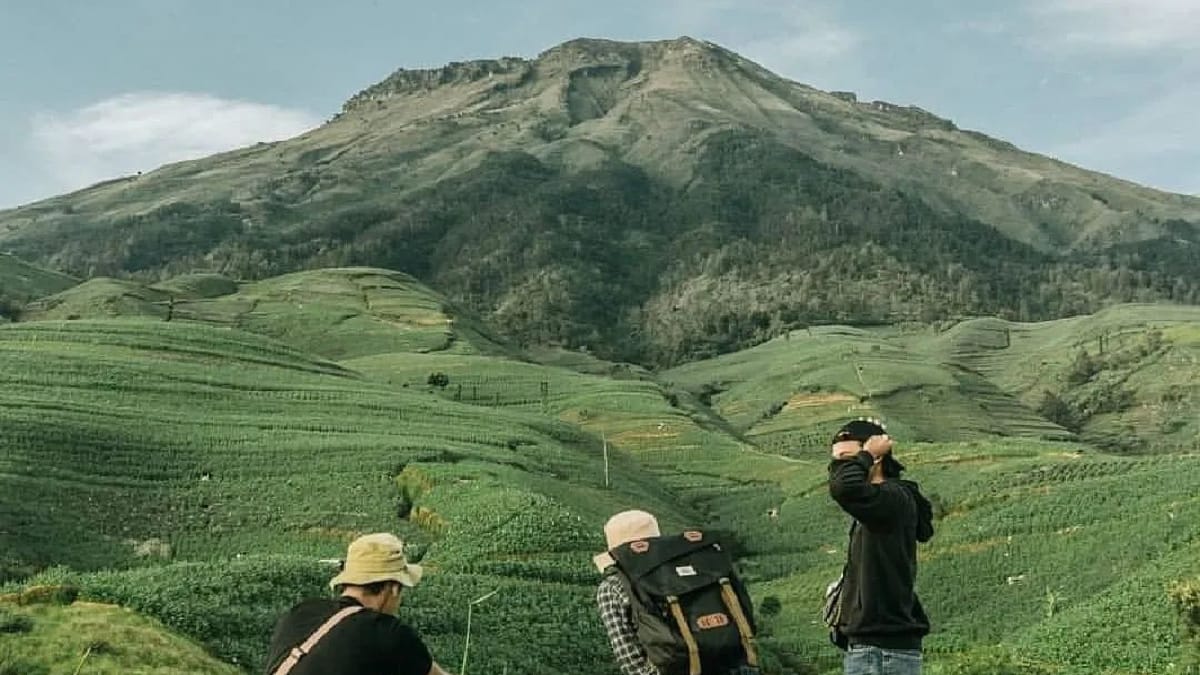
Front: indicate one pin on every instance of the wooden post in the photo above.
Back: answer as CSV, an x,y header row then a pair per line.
x,y
467,643
606,479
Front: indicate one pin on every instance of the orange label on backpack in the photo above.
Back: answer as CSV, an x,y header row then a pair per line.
x,y
693,535
710,621
639,546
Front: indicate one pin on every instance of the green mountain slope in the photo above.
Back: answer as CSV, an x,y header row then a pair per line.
x,y
20,279
653,201
201,473
785,395
336,313
980,378
21,282
1127,377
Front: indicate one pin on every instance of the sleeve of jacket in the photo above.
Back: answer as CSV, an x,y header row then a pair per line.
x,y
617,617
850,486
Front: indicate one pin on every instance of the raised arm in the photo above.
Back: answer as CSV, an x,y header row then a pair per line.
x,y
850,486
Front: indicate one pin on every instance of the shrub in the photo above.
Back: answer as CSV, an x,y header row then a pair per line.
x,y
49,595
413,484
428,520
10,309
1055,409
1083,368
11,622
1185,597
771,606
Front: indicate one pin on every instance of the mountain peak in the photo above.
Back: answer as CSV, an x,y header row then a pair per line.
x,y
569,56
602,46
583,52
405,81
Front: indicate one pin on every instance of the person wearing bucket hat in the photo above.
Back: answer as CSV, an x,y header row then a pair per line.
x,y
357,632
636,644
883,629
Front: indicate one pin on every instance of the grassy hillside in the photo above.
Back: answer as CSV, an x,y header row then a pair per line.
x,y
190,469
977,379
656,202
21,282
786,395
182,442
19,278
1127,377
99,639
337,313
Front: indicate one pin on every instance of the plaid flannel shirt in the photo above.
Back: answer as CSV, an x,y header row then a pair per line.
x,y
617,616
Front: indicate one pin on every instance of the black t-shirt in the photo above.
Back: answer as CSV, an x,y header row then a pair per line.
x,y
366,643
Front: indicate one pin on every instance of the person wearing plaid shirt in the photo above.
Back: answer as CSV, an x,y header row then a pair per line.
x,y
616,612
617,617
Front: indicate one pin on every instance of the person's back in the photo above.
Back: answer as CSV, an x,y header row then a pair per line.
x,y
356,633
880,613
882,575
365,643
688,642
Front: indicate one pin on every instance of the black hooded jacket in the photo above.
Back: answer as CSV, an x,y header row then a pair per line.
x,y
879,604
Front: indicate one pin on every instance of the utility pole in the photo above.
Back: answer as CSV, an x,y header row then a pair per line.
x,y
858,370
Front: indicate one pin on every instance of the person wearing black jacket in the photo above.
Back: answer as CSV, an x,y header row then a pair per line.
x,y
881,616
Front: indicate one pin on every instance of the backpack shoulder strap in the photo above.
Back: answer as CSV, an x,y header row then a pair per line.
x,y
300,652
833,607
849,545
745,632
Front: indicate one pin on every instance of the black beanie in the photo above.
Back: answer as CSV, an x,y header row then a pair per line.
x,y
860,430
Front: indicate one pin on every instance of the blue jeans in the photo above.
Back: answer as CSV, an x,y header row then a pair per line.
x,y
866,660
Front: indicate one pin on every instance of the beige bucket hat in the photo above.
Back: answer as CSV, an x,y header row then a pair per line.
x,y
374,558
623,528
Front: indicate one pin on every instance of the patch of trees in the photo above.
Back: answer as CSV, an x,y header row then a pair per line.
x,y
10,308
1185,598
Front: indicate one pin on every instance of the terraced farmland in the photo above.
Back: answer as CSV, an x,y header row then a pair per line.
x,y
190,468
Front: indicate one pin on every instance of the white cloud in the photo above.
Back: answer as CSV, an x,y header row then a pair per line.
x,y
980,25
1158,139
144,130
1162,125
1141,59
1119,25
795,38
811,43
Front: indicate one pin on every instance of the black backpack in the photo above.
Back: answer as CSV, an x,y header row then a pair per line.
x,y
691,612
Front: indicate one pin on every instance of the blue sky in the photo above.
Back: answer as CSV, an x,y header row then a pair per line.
x,y
90,90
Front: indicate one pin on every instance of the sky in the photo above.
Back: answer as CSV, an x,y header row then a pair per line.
x,y
94,90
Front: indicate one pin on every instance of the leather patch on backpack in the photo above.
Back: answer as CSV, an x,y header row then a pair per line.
x,y
693,535
639,546
710,621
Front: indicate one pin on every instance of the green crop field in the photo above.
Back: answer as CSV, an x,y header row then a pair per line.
x,y
200,470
